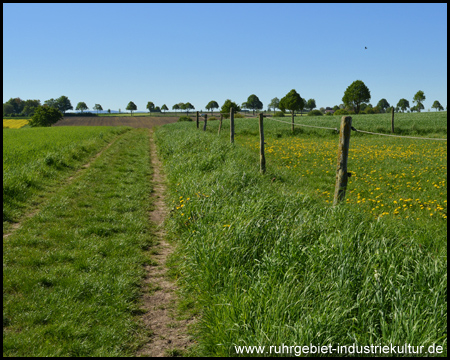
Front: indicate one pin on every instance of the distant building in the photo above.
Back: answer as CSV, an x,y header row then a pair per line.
x,y
328,110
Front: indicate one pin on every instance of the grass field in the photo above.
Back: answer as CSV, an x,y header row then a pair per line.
x,y
264,260
36,159
268,261
72,273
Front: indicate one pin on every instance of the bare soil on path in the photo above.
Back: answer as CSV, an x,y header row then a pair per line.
x,y
168,335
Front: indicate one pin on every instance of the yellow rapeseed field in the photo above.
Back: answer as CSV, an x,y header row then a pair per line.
x,y
14,124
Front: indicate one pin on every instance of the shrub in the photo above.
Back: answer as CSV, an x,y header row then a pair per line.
x,y
315,113
328,113
236,115
279,114
370,111
341,112
212,118
184,118
45,116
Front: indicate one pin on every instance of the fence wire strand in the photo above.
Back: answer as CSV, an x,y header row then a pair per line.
x,y
318,127
361,131
406,137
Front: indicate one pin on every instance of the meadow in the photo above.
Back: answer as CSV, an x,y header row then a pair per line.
x,y
268,261
262,260
35,159
72,273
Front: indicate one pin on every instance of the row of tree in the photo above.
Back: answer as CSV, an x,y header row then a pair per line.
x,y
356,99
17,106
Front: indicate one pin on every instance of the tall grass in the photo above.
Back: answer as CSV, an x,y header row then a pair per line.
x,y
268,265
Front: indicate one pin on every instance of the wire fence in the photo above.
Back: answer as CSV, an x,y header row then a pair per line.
x,y
361,131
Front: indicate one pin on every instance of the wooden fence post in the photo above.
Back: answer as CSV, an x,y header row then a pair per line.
x,y
232,125
220,125
206,119
341,172
392,120
197,119
262,158
292,121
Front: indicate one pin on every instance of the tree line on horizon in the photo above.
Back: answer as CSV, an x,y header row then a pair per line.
x,y
356,100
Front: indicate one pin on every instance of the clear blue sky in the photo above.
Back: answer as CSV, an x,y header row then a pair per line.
x,y
111,54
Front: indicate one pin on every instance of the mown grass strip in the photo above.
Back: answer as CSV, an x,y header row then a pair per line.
x,y
36,160
266,265
71,274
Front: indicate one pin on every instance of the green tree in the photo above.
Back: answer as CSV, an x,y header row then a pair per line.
x,y
81,106
212,105
418,99
310,104
98,107
131,107
356,94
383,105
274,103
164,107
45,116
253,103
301,109
30,107
52,103
150,106
109,111
157,109
8,109
403,104
17,103
227,105
437,105
188,106
176,107
63,104
335,107
293,102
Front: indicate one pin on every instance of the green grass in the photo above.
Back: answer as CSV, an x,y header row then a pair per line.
x,y
429,124
269,262
36,159
72,273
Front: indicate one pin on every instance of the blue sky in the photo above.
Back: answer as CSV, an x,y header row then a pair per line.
x,y
110,54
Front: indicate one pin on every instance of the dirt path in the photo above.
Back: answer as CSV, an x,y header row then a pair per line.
x,y
169,336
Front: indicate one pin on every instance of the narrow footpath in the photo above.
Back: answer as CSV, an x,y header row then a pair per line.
x,y
168,335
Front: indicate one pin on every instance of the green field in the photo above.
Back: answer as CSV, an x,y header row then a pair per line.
x,y
264,260
269,261
72,273
35,159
